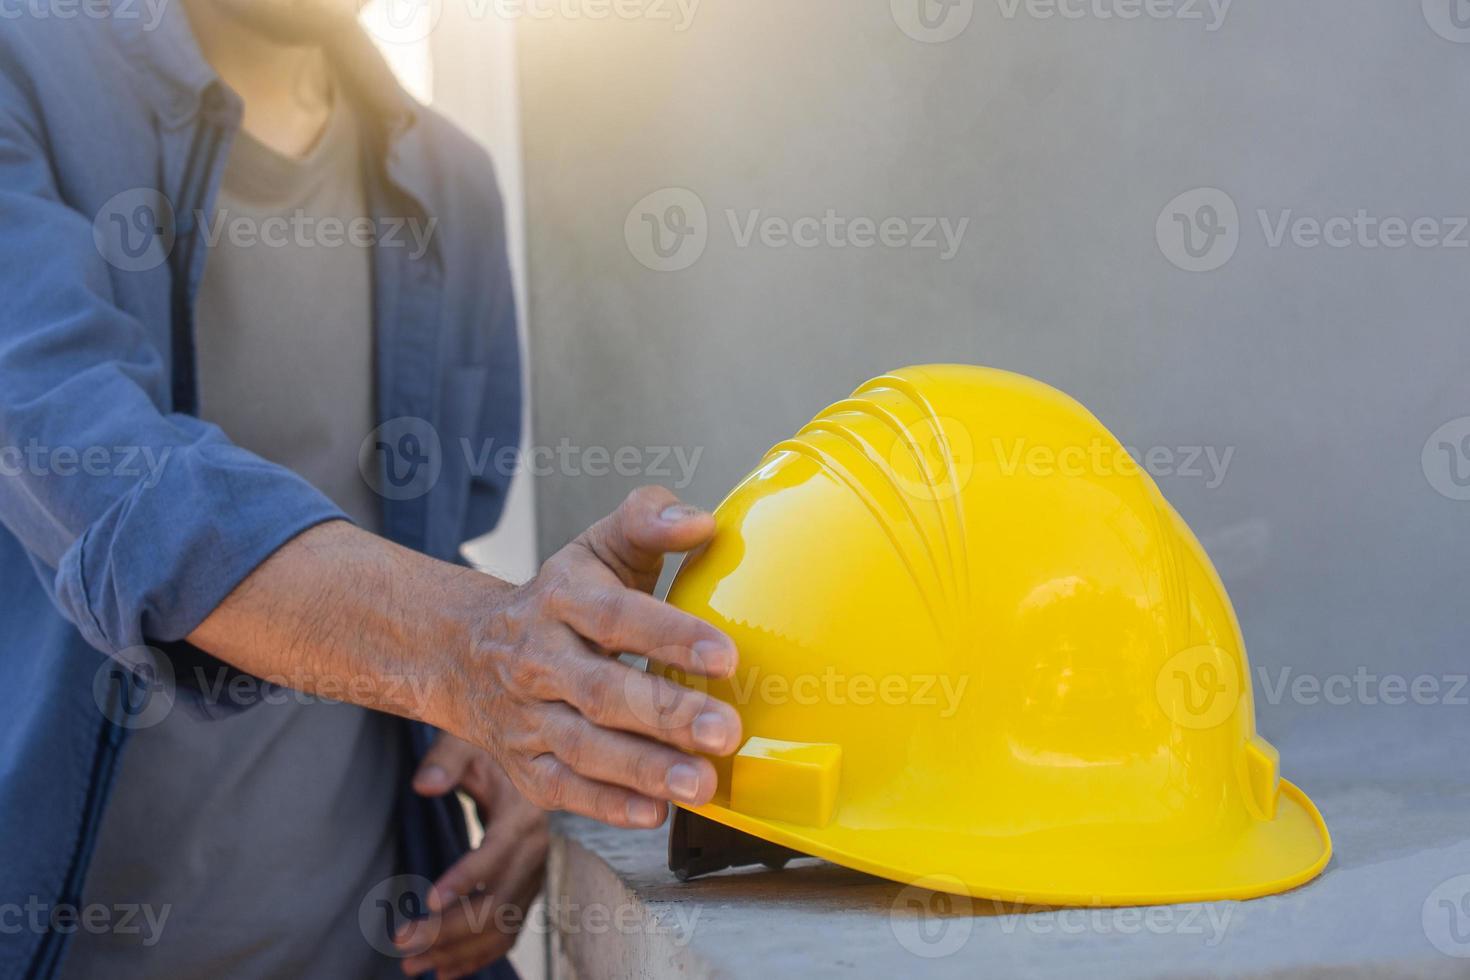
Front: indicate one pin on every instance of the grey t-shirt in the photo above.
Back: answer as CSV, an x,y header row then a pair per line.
x,y
259,834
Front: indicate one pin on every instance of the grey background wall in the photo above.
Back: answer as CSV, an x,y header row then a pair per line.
x,y
1323,368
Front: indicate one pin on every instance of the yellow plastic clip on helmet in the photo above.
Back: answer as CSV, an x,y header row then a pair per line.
x,y
979,651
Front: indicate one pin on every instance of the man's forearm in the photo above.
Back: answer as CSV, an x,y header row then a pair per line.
x,y
521,671
345,614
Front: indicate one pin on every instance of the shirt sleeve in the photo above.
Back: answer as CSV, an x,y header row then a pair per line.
x,y
146,518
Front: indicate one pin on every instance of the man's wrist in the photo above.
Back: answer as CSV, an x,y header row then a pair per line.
x,y
465,607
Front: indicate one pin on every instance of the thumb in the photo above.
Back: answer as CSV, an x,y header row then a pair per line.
x,y
651,522
443,767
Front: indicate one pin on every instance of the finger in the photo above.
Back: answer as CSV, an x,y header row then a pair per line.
x,y
513,898
462,915
443,766
614,695
473,872
470,919
469,937
636,763
629,621
552,785
650,523
482,869
464,958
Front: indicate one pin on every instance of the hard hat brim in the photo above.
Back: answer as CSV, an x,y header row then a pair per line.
x,y
1263,858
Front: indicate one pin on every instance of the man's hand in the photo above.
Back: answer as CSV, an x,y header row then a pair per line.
x,y
528,673
575,728
480,903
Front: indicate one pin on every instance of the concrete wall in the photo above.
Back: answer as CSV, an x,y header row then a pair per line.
x,y
1062,141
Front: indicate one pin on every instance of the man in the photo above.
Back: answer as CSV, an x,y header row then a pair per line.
x,y
183,392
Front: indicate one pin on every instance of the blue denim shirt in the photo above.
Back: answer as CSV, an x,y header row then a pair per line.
x,y
124,519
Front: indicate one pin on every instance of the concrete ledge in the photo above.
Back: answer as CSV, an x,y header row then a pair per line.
x,y
1394,902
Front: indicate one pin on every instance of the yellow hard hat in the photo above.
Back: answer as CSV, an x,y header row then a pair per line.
x,y
981,652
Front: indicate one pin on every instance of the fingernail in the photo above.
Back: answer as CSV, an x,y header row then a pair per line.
x,y
674,513
432,777
683,782
710,732
714,658
642,813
